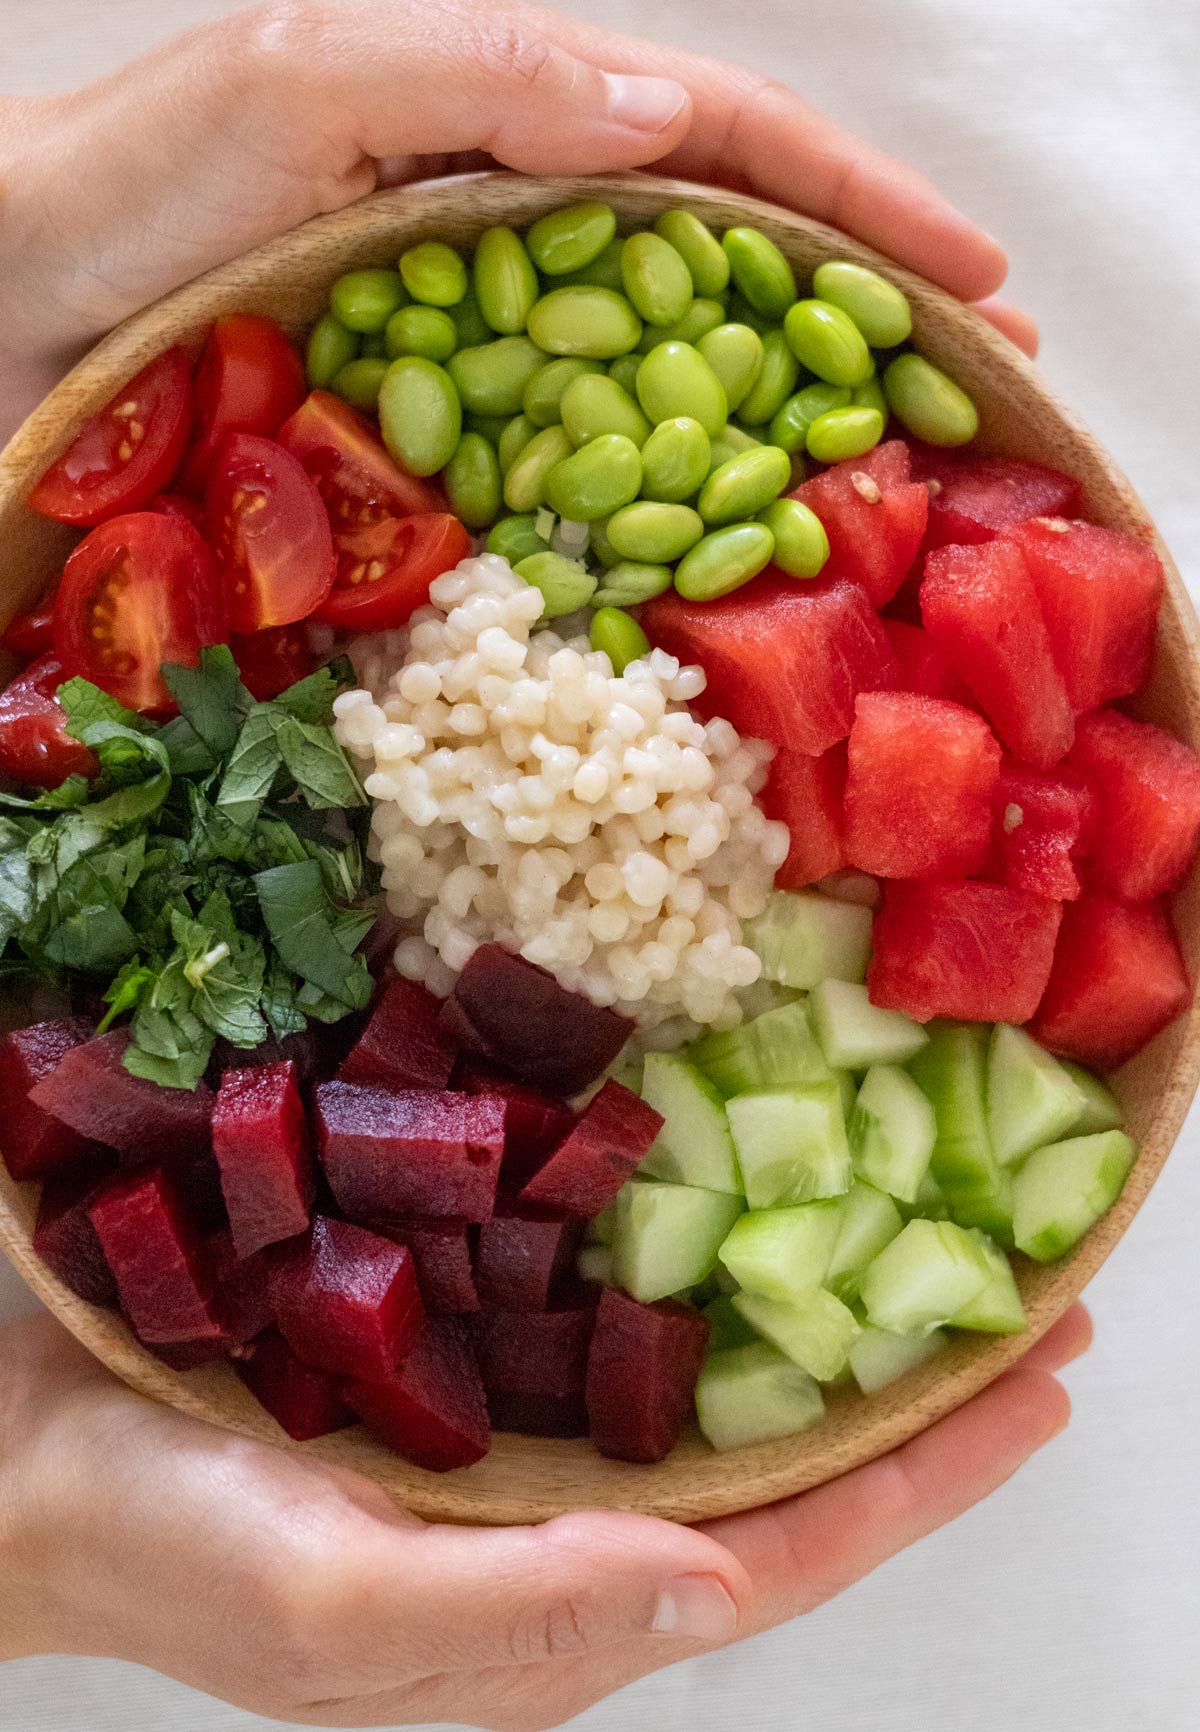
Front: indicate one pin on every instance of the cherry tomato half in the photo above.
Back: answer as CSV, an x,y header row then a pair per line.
x,y
249,380
270,661
269,532
139,591
36,750
31,633
385,570
175,505
125,454
355,477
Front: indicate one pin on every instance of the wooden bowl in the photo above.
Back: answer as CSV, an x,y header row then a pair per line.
x,y
528,1479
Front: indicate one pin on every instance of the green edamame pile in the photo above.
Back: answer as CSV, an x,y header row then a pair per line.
x,y
657,393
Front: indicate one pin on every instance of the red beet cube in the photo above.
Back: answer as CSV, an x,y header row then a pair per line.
x,y
260,1139
1146,785
1042,819
306,1402
190,1355
534,1369
806,794
642,1372
431,1408
980,607
414,1152
402,1046
1099,591
587,1169
981,952
524,1255
518,1016
246,1286
534,1123
923,667
65,1239
348,1300
90,1090
1118,978
919,784
974,499
441,1251
36,1142
874,515
164,1280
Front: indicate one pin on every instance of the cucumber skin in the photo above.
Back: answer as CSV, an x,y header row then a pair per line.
x,y
998,1309
868,1131
1097,1166
1102,1111
952,1072
753,1394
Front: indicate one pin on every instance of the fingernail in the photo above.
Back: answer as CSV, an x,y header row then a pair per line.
x,y
645,104
695,1606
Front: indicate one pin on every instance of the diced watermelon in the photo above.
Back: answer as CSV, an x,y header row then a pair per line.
x,y
35,1141
979,952
65,1239
1146,785
974,498
874,515
534,1369
441,1251
1042,820
410,1152
1118,979
922,666
806,794
402,1046
919,787
785,660
595,1158
90,1090
431,1408
260,1139
1099,591
347,1300
524,1255
642,1372
534,1123
307,1403
165,1283
980,607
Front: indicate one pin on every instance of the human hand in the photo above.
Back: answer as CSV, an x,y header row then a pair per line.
x,y
299,1591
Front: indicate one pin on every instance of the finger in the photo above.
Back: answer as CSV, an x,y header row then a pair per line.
x,y
1011,322
1064,1341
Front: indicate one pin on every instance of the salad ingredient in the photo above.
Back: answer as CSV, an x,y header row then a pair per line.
x,y
306,1402
65,1240
753,1394
272,660
743,485
655,278
365,300
629,582
642,1370
868,1220
759,270
389,1153
37,1143
36,751
952,1070
431,1407
791,1143
542,399
927,1274
827,342
874,516
420,414
571,238
879,1356
807,795
91,1090
401,1046
675,379
360,382
698,247
155,1259
801,544
1031,1098
619,636
346,1300
600,1151
534,1369
249,379
856,1034
928,403
30,633
1101,1110
564,584
724,559
783,1253
506,284
814,1332
596,480
270,534
1146,787
666,1237
693,1145
359,482
997,1310
792,420
474,485
892,1131
434,273
418,330
525,477
441,1250
735,354
877,307
593,405
491,378
844,433
804,938
534,1123
260,1140
331,346
1064,1188
775,383
384,572
921,666
977,498
675,460
1043,820
525,1257
774,1049
598,324
653,534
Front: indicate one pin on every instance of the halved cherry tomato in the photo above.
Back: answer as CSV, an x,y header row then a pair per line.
x,y
270,661
36,750
355,477
175,505
385,569
249,380
270,533
31,633
125,454
139,591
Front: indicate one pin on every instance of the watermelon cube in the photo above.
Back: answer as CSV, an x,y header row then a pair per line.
x,y
307,1403
1146,786
534,1123
1042,820
441,1251
410,1152
977,952
431,1408
922,666
402,1046
35,1141
260,1139
1118,979
642,1371
525,1254
806,794
587,1169
874,515
534,1369
919,786
65,1239
980,608
163,1276
974,499
90,1090
347,1300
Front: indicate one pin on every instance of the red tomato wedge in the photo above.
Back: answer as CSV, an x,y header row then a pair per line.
x,y
271,661
35,749
30,634
384,571
249,380
269,532
138,591
176,505
355,477
125,454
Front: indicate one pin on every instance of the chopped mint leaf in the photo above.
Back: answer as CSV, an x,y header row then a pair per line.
x,y
125,992
253,765
300,919
318,765
213,703
86,705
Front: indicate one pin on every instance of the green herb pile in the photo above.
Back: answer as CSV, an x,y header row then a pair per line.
x,y
206,879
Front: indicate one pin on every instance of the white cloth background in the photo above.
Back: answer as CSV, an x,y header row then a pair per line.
x,y
1071,130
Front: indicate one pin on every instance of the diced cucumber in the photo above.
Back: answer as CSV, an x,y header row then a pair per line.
x,y
952,1072
879,1357
804,938
892,1132
628,1069
848,1090
783,1253
1102,1111
855,1034
726,1325
1065,1187
791,1144
600,1229
1031,1098
869,1221
752,1394
595,1263
775,1050
667,1236
694,1146
926,1275
815,1331
998,1309
930,1202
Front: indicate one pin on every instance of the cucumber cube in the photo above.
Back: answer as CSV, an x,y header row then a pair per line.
x,y
879,1357
667,1236
775,1050
892,1132
783,1253
1064,1188
998,1309
952,1071
869,1221
815,1332
726,1325
1031,1098
855,1034
926,1275
1102,1111
694,1146
595,1263
791,1144
753,1393
804,938
600,1229
930,1202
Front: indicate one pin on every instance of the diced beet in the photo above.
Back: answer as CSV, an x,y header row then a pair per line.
x,y
431,1408
534,1369
642,1372
587,1169
806,794
518,1016
1146,785
923,667
919,784
306,1402
246,1286
35,1141
980,607
163,1277
347,1300
441,1251
90,1090
65,1239
260,1139
197,1182
308,1051
534,1123
1099,591
412,1152
785,660
1118,979
981,952
974,498
874,515
190,1355
523,1257
402,1046
1042,818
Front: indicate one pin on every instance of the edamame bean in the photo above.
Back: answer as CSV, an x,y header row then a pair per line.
x,y
870,396
742,486
594,404
730,442
604,272
473,481
491,378
629,583
330,348
792,420
653,534
418,330
374,347
735,354
739,312
419,414
625,370
570,238
655,278
565,585
505,281
600,546
702,316
878,307
434,274
928,403
760,271
596,480
801,544
675,379
358,383
491,426
525,481
596,323
619,636
365,300
515,437
515,538
699,249
724,560
675,460
828,342
542,401
469,322
775,383
843,433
